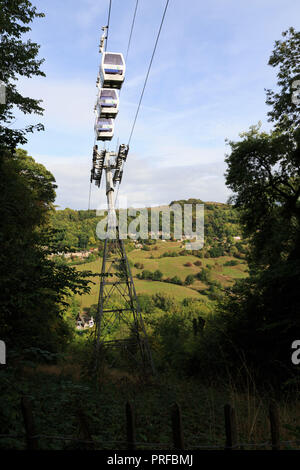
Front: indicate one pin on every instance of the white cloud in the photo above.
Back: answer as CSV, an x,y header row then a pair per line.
x,y
206,84
68,103
90,10
143,184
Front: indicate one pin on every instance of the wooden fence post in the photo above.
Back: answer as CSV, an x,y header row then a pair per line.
x,y
84,430
275,425
31,439
230,427
130,426
177,428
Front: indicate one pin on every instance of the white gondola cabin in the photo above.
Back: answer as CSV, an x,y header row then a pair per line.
x,y
108,103
112,70
104,128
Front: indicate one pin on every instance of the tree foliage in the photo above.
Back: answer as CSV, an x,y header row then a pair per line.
x,y
285,112
264,174
261,314
34,289
18,57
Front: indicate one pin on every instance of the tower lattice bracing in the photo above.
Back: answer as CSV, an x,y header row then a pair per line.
x,y
119,323
118,310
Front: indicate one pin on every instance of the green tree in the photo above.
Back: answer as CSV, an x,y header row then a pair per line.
x,y
285,112
261,313
157,275
264,173
176,280
189,279
18,57
203,275
34,289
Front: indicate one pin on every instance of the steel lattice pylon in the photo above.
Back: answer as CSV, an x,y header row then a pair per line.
x,y
118,321
116,282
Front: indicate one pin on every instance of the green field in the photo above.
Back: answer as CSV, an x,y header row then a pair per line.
x,y
169,266
179,292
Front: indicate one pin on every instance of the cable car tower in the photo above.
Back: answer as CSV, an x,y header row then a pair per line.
x,y
118,312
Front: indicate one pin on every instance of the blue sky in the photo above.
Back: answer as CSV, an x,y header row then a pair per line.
x,y
206,84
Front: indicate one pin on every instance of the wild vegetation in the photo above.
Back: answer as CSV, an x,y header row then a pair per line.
x,y
220,320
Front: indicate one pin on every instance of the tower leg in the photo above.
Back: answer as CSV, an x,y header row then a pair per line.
x,y
117,286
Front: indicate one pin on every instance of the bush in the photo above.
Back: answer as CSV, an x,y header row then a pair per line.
x,y
170,254
163,302
157,275
171,333
216,251
232,262
203,275
176,280
145,275
146,303
189,280
139,265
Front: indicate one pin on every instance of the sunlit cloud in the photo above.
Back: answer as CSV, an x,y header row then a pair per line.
x,y
206,84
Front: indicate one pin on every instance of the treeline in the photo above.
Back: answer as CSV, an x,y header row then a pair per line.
x,y
77,228
214,291
34,288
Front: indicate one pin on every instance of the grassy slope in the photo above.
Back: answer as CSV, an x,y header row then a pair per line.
x,y
169,266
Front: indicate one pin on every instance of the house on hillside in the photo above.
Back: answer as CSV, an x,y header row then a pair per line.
x,y
83,321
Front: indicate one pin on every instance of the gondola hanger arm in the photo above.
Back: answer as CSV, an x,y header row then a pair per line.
x,y
103,39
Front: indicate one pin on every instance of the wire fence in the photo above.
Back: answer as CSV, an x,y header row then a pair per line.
x,y
32,438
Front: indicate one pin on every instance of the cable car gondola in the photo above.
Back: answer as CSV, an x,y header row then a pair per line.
x,y
112,70
104,128
108,103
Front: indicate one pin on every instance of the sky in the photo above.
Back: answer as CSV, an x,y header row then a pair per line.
x,y
207,84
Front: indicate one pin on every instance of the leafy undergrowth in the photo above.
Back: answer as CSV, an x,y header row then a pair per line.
x,y
57,392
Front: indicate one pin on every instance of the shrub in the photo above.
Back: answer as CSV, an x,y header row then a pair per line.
x,y
139,265
189,280
171,254
203,275
176,280
232,262
145,275
163,302
216,251
157,275
146,303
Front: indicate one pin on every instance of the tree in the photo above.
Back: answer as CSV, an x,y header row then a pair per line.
x,y
216,251
285,102
17,58
203,275
189,279
34,289
261,313
264,173
176,280
157,275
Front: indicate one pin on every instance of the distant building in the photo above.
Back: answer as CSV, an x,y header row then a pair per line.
x,y
84,321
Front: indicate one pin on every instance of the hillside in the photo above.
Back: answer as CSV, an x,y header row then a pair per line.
x,y
218,273
180,273
77,229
